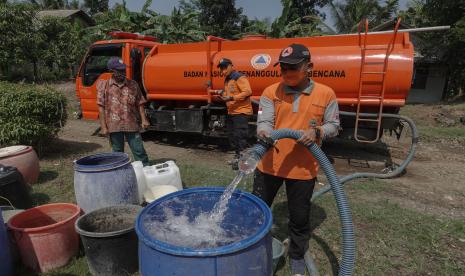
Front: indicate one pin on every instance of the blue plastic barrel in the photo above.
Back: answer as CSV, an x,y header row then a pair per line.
x,y
103,180
6,268
251,256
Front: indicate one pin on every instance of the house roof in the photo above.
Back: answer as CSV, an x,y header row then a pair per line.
x,y
67,14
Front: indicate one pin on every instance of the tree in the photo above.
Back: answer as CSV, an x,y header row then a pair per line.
x,y
17,23
74,4
49,4
64,46
177,28
302,8
96,6
216,17
348,15
119,18
255,26
449,46
299,18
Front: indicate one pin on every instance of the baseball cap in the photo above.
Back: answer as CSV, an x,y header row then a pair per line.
x,y
116,63
224,62
293,54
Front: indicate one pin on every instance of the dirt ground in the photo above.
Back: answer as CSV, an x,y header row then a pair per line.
x,y
433,183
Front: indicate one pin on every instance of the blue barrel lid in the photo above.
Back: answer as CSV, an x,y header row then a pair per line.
x,y
149,240
101,162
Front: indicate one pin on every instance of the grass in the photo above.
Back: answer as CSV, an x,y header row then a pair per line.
x,y
391,240
432,131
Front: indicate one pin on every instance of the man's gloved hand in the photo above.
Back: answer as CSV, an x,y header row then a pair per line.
x,y
308,137
263,133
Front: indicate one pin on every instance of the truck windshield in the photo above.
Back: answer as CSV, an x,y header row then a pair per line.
x,y
96,61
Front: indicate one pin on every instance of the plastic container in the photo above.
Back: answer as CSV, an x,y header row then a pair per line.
x,y
109,240
24,158
247,257
157,191
6,264
141,185
163,174
13,189
103,180
8,212
278,252
45,235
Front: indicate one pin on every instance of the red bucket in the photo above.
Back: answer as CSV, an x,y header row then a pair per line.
x,y
46,236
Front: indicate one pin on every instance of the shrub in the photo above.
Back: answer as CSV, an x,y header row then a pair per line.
x,y
30,114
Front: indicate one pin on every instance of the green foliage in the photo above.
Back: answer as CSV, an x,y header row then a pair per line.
x,y
302,8
177,28
299,18
348,14
30,114
96,6
38,49
16,24
55,4
447,46
121,19
216,17
64,46
255,26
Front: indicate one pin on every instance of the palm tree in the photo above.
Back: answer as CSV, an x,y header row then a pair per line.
x,y
347,15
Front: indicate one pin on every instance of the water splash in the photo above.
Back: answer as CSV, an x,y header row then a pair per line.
x,y
205,230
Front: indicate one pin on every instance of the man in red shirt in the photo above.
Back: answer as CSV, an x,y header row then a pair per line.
x,y
121,107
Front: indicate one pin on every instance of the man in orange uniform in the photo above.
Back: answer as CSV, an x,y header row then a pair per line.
x,y
236,94
299,103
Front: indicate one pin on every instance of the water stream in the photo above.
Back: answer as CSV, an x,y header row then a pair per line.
x,y
204,230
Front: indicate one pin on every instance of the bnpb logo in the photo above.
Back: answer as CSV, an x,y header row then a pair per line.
x,y
260,61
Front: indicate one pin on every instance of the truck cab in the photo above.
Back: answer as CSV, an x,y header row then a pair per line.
x,y
131,48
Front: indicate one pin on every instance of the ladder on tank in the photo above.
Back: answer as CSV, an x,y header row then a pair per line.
x,y
376,95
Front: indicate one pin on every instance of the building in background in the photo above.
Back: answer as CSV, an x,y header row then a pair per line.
x,y
429,74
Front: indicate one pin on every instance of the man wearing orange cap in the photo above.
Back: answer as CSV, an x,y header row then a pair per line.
x,y
299,103
236,95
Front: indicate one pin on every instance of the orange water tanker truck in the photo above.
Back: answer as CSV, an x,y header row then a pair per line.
x,y
369,72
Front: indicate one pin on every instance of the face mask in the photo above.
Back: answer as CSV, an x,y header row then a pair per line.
x,y
293,77
119,76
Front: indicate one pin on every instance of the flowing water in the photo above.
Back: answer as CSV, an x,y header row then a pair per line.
x,y
205,229
217,213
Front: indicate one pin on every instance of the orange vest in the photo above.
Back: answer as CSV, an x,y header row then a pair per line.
x,y
289,159
239,88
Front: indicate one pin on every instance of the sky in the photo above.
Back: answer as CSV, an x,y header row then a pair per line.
x,y
252,8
